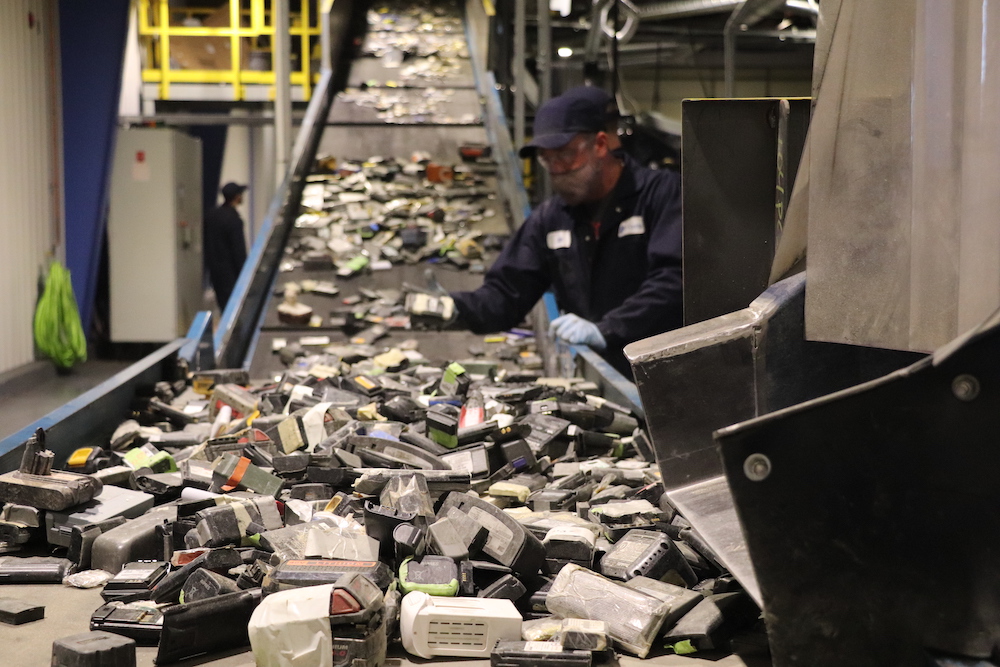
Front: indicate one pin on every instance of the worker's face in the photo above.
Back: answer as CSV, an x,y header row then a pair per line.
x,y
575,169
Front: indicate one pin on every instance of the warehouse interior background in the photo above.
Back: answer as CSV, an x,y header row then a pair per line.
x,y
807,434
75,73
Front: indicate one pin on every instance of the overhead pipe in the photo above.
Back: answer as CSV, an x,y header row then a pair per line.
x,y
748,14
675,9
281,63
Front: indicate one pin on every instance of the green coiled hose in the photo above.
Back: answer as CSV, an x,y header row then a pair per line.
x,y
58,332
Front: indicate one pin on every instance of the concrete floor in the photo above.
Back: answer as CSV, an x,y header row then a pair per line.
x,y
67,612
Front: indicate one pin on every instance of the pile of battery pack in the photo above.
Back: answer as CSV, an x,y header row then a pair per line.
x,y
368,499
368,216
467,508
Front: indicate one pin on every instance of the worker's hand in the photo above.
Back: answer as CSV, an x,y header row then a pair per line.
x,y
577,331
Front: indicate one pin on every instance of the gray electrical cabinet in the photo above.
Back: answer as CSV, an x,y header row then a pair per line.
x,y
154,235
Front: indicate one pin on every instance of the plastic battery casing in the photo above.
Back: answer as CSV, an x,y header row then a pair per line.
x,y
207,625
509,543
445,539
434,575
54,492
134,581
507,587
135,540
462,627
111,502
16,612
473,459
681,600
141,623
93,648
204,584
296,573
647,553
529,654
34,570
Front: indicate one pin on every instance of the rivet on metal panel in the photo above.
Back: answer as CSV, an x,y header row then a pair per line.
x,y
757,467
965,387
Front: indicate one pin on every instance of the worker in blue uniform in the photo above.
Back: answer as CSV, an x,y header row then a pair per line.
x,y
608,243
225,244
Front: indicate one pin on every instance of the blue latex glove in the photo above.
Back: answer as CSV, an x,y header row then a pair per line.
x,y
577,331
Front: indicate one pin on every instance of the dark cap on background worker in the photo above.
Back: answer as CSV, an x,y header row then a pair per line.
x,y
231,191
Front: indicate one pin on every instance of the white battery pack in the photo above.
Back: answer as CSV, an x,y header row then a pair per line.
x,y
464,627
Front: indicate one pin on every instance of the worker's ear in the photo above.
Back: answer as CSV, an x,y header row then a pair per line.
x,y
601,144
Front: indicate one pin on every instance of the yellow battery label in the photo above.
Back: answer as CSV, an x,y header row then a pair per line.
x,y
79,457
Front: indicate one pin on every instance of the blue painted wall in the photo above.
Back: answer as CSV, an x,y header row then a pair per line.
x,y
92,41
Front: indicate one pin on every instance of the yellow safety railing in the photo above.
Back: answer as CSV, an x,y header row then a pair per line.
x,y
248,22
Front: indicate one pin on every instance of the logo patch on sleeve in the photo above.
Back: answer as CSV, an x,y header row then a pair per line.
x,y
562,238
631,227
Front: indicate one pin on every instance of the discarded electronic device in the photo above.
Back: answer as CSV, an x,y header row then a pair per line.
x,y
465,627
345,624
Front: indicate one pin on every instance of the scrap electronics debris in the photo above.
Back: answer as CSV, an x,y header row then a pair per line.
x,y
368,498
461,508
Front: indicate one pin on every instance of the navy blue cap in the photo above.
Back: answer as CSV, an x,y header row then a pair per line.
x,y
580,109
230,190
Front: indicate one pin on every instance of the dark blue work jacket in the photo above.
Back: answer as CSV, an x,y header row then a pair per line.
x,y
626,278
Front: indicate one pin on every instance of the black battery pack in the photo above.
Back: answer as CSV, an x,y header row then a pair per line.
x,y
81,539
207,625
518,453
713,622
385,453
313,572
530,654
509,543
136,621
135,581
409,542
647,553
34,570
507,587
446,541
93,648
169,587
546,430
204,584
380,522
15,612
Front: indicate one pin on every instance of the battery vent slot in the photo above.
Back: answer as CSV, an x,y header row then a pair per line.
x,y
463,634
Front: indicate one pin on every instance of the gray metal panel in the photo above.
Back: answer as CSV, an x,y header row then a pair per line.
x,y
730,189
839,507
903,240
703,377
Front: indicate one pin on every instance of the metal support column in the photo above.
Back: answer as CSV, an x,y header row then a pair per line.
x,y
544,60
519,73
281,54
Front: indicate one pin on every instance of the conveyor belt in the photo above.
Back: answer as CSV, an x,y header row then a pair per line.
x,y
449,114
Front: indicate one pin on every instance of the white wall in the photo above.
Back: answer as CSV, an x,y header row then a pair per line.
x,y
31,225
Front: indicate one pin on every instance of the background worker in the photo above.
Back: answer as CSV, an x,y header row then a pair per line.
x,y
608,242
225,244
